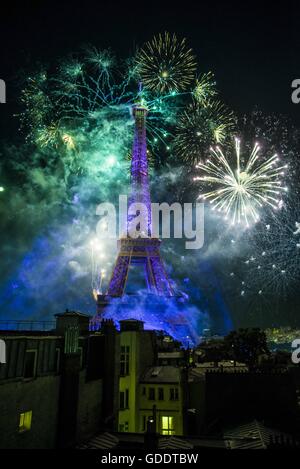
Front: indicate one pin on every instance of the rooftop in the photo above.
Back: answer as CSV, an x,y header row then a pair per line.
x,y
137,441
252,435
176,354
72,314
161,374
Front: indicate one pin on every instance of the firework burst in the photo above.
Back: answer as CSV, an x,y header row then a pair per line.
x,y
273,267
166,64
199,127
71,69
277,133
241,189
205,89
73,94
103,61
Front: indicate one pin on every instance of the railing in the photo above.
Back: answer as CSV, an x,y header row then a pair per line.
x,y
17,325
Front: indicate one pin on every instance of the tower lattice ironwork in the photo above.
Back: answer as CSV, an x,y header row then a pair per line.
x,y
141,250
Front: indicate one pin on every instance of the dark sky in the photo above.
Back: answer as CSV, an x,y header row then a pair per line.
x,y
253,47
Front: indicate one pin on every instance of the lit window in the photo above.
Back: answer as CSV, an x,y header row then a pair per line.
x,y
25,421
174,394
167,425
124,360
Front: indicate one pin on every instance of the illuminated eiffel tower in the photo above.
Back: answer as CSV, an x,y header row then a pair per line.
x,y
144,251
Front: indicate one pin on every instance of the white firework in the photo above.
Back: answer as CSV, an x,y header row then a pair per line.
x,y
274,265
241,188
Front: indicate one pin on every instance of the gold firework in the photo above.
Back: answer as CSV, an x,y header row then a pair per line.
x,y
166,64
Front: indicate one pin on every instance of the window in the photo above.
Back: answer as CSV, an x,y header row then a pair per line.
x,y
124,360
143,391
160,394
174,394
124,399
25,421
30,364
167,425
124,427
151,394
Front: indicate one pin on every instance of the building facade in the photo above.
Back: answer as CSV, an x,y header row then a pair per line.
x,y
162,398
147,392
48,396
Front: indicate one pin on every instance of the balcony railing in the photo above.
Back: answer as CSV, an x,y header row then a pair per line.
x,y
17,325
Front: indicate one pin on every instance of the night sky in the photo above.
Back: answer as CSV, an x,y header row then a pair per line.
x,y
253,49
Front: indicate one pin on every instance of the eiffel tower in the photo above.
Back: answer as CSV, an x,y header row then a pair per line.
x,y
144,251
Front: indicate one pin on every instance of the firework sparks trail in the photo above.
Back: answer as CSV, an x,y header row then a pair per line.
x,y
205,89
91,87
199,127
166,64
270,267
77,113
242,189
98,272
